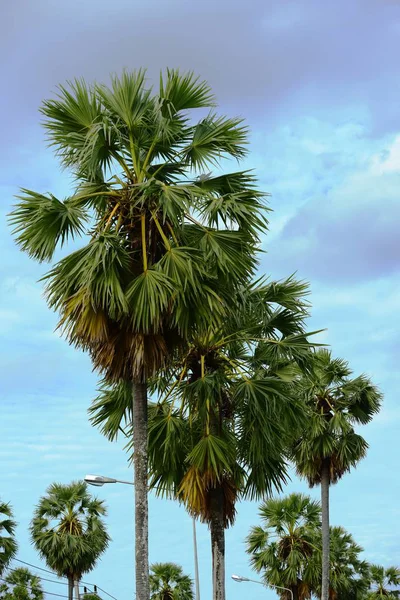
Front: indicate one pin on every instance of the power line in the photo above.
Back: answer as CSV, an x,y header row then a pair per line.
x,y
63,576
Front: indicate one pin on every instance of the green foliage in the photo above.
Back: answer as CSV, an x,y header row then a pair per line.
x,y
21,584
385,582
226,424
162,239
68,530
335,404
167,582
287,550
281,549
8,543
349,574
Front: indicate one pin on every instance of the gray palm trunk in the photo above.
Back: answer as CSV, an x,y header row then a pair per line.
x,y
217,543
141,500
76,587
70,587
325,481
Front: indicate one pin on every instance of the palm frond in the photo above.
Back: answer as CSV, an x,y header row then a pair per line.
x,y
42,222
214,137
183,92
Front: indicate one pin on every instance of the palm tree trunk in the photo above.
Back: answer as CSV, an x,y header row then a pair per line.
x,y
76,588
217,543
325,481
141,500
70,587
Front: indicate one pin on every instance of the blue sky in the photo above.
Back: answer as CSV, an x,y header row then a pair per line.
x,y
318,82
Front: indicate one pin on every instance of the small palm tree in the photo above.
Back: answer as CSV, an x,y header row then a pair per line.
x,y
349,574
383,583
329,446
8,543
283,546
69,532
162,237
21,584
167,582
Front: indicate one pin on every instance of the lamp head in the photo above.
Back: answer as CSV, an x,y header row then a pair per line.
x,y
239,578
98,480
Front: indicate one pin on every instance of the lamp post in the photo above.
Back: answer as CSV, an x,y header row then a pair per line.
x,y
100,480
239,579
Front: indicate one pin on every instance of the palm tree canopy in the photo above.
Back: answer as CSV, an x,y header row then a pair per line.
x,y
385,582
226,408
281,548
336,403
168,582
162,236
21,584
349,574
8,543
68,529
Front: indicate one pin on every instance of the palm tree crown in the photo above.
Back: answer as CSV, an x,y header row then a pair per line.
x,y
168,582
349,574
21,584
283,546
384,582
336,404
8,543
156,231
68,529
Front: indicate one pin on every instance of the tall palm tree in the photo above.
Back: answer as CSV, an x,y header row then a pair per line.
x,y
329,447
21,584
69,532
163,236
8,543
167,582
283,546
383,583
221,431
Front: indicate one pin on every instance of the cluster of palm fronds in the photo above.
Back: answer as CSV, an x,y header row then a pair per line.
x,y
287,550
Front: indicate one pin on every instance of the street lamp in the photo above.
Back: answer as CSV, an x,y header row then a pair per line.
x,y
100,480
239,579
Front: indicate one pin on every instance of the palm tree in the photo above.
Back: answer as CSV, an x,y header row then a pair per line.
x,y
283,546
349,574
167,582
221,430
329,447
383,580
21,584
8,543
163,236
68,531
